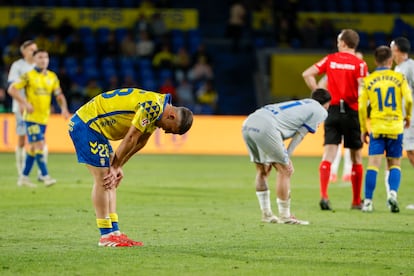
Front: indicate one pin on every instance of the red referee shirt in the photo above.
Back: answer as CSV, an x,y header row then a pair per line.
x,y
343,71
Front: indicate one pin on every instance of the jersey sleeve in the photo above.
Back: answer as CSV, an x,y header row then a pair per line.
x,y
362,108
317,116
13,73
322,65
21,82
408,99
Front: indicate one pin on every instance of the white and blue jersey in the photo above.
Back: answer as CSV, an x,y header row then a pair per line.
x,y
265,130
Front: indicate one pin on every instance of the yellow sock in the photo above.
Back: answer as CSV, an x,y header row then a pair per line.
x,y
114,220
104,225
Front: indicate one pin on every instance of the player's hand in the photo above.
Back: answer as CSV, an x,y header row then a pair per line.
x,y
364,137
29,108
65,113
407,123
113,178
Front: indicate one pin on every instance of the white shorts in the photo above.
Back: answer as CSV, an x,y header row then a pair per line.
x,y
20,124
264,142
408,138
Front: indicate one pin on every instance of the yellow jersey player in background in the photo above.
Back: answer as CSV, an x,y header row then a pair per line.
x,y
40,84
386,91
130,115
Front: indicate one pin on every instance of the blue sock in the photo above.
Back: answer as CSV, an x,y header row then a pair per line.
x,y
41,163
370,181
28,164
394,179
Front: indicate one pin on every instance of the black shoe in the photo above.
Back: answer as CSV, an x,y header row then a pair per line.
x,y
357,206
325,204
393,205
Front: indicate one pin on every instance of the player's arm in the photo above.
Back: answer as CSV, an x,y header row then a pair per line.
x,y
309,77
323,82
131,143
296,139
408,103
13,91
363,113
61,100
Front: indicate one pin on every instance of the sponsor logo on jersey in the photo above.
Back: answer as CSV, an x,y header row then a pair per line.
x,y
144,122
335,65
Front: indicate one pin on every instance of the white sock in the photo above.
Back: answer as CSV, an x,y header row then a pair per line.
x,y
20,159
387,184
337,160
392,194
264,201
347,163
284,207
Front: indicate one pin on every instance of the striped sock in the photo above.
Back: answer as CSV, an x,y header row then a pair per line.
x,y
41,162
114,220
28,165
104,225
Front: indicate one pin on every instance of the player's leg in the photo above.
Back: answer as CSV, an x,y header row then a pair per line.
x,y
408,145
335,165
45,158
332,138
21,141
101,203
374,161
394,154
329,154
352,140
29,161
263,192
356,178
394,180
264,146
347,167
37,133
284,173
410,155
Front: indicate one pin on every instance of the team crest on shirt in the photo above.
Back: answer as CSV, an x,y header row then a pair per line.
x,y
144,122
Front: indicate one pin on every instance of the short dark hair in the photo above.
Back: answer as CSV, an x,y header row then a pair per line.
x,y
382,54
403,44
350,37
321,95
186,119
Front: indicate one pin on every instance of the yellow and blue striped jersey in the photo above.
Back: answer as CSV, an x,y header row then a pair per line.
x,y
39,88
112,113
386,91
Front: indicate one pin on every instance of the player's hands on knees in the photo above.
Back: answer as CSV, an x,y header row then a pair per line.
x,y
113,178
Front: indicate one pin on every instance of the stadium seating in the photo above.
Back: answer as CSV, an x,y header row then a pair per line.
x,y
11,32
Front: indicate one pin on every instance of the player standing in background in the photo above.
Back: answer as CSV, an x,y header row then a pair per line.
x,y
347,166
129,114
18,68
264,132
386,91
401,48
39,84
344,71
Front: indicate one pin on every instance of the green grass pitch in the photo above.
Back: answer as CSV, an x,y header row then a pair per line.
x,y
198,215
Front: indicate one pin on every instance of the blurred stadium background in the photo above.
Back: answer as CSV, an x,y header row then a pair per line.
x,y
92,45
